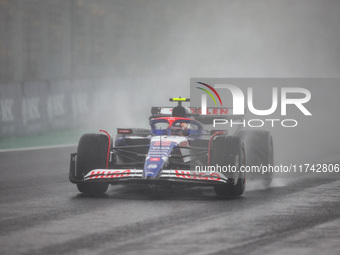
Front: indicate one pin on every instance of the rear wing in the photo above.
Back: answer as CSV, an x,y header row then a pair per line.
x,y
195,113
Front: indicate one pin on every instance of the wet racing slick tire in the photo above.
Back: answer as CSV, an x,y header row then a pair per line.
x,y
92,154
225,151
259,150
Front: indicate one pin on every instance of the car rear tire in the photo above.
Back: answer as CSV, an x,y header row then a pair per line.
x,y
92,154
259,150
224,152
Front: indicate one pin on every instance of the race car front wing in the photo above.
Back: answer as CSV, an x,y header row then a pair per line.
x,y
136,176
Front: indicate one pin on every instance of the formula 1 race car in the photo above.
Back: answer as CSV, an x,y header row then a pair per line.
x,y
176,151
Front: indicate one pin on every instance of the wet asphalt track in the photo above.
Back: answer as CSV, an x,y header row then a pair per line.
x,y
42,213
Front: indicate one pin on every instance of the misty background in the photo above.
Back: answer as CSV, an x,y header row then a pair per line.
x,y
102,64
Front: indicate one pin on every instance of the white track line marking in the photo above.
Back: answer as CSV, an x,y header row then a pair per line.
x,y
39,148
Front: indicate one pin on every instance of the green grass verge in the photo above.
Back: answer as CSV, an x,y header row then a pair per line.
x,y
47,139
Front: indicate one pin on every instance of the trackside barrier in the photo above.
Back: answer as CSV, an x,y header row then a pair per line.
x,y
36,107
